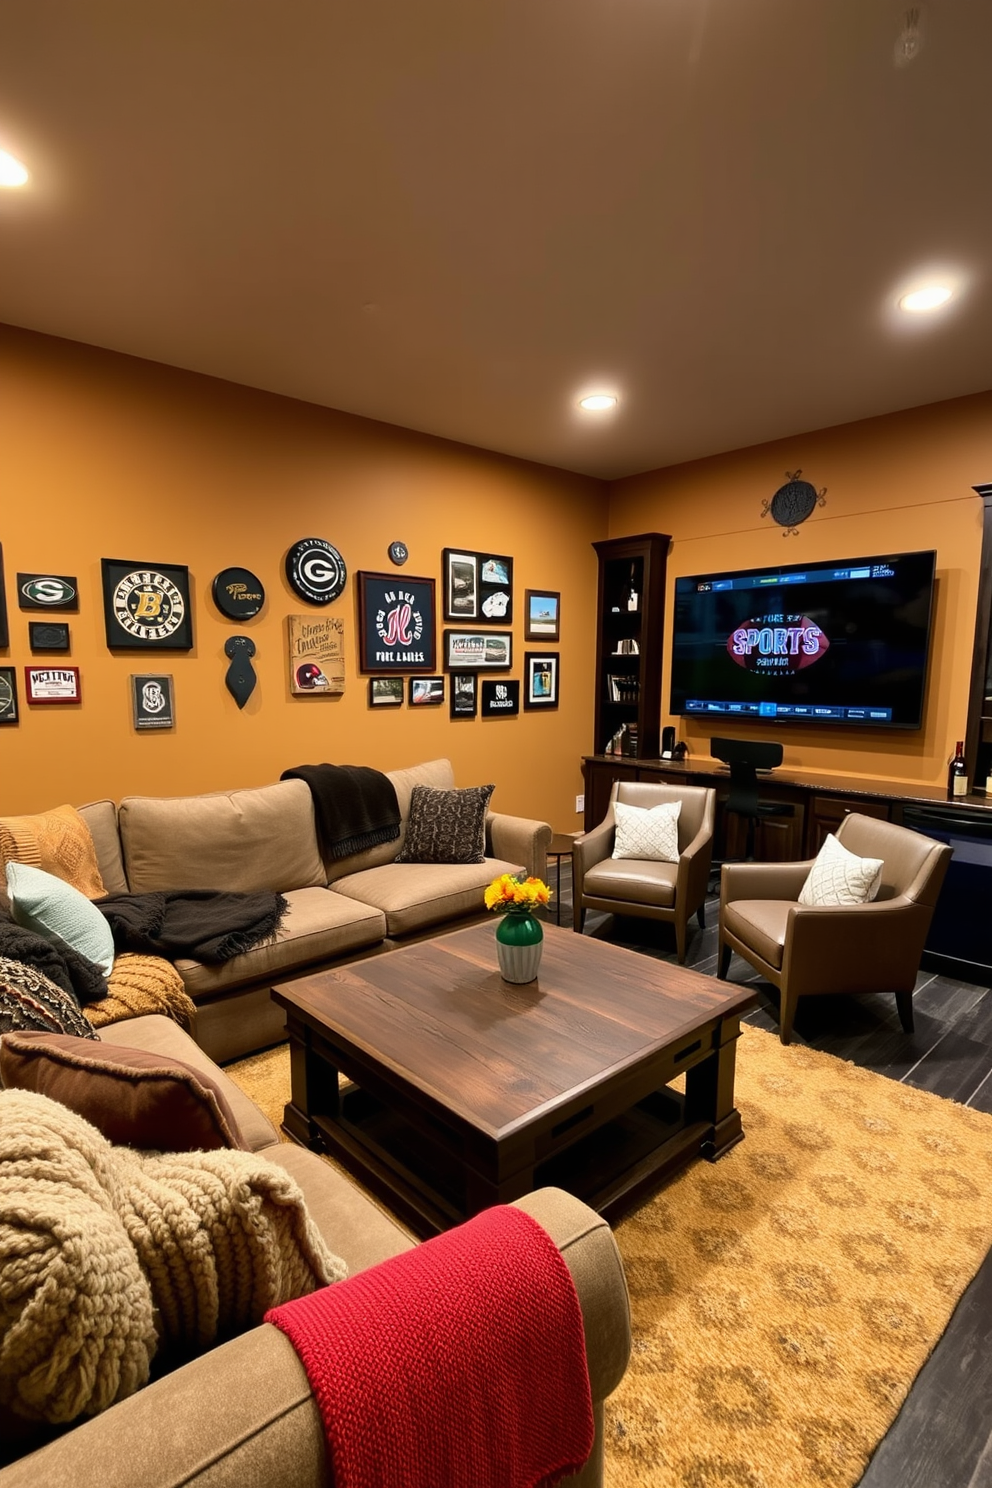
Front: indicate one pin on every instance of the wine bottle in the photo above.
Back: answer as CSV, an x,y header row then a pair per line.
x,y
957,774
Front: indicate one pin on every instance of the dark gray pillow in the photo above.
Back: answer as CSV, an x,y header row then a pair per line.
x,y
28,999
447,826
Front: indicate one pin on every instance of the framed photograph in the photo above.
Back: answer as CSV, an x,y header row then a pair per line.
x,y
45,635
426,692
8,695
52,684
396,627
464,695
540,679
4,633
492,650
477,586
500,699
146,606
541,615
385,692
316,655
152,701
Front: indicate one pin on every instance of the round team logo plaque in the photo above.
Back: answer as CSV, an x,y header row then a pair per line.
x,y
238,594
315,570
148,605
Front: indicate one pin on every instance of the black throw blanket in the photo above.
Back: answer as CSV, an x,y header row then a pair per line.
x,y
54,959
206,925
354,807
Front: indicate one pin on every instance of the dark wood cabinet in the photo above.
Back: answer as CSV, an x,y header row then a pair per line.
x,y
630,618
827,812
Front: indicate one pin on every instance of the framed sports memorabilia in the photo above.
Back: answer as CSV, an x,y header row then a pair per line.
x,y
237,593
40,591
426,692
4,634
152,701
540,679
315,570
45,635
477,586
500,699
464,694
396,628
146,606
385,692
491,650
44,684
316,655
541,615
8,695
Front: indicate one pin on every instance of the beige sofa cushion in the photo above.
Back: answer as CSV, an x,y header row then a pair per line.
x,y
436,773
414,896
319,926
101,818
243,841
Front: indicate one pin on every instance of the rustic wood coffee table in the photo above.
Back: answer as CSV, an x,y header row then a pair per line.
x,y
469,1091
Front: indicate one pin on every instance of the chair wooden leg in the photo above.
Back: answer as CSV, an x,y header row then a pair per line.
x,y
725,954
701,917
578,917
904,1005
786,1013
680,939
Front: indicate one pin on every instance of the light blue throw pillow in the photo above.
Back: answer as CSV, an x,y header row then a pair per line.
x,y
45,904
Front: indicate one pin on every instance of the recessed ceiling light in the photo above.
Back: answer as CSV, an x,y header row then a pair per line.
x,y
12,172
931,297
599,402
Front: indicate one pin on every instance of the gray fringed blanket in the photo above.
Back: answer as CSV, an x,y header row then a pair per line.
x,y
204,924
65,967
354,807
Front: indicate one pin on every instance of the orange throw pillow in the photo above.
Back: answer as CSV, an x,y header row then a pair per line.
x,y
57,842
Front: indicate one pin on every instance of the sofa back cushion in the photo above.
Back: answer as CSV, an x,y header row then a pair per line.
x,y
245,841
436,773
101,818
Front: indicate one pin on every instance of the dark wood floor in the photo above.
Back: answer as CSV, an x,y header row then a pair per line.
x,y
942,1437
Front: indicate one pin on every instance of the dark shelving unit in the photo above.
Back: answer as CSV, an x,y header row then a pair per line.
x,y
630,612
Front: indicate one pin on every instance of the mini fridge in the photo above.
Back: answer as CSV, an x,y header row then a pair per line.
x,y
960,939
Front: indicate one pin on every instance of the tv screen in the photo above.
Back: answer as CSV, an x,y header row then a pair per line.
x,y
842,642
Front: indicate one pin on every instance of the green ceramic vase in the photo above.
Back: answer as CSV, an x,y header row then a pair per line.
x,y
519,943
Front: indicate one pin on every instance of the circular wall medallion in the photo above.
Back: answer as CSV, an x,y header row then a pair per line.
x,y
399,553
315,570
147,605
238,594
793,502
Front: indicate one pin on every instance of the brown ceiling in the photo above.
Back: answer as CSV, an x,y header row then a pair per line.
x,y
457,215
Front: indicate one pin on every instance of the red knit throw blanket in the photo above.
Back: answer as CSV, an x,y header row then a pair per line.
x,y
459,1364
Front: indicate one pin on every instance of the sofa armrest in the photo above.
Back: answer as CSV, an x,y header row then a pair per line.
x,y
517,839
243,1413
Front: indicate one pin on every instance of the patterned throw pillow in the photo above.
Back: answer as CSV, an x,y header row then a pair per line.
x,y
841,877
447,826
29,1000
58,842
54,909
650,833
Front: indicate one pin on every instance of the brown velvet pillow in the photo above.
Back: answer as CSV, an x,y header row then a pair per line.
x,y
134,1098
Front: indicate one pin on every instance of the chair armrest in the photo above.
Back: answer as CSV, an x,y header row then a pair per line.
x,y
762,880
854,948
243,1413
517,839
693,874
591,848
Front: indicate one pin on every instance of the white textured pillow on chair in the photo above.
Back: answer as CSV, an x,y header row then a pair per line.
x,y
648,832
841,877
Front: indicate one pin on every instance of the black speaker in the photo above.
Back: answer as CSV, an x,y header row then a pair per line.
x,y
667,742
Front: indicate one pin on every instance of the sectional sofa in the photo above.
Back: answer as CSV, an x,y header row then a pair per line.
x,y
339,910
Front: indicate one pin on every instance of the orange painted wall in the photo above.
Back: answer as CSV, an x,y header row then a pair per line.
x,y
108,456
893,484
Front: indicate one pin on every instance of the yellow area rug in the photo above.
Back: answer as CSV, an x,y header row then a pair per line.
x,y
785,1298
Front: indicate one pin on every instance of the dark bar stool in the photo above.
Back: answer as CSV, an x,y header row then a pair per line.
x,y
745,758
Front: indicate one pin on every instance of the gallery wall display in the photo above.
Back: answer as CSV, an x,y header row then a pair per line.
x,y
45,635
240,678
146,606
464,695
500,699
491,650
152,701
396,628
8,695
52,684
477,586
237,593
542,615
4,633
39,591
316,655
426,692
540,679
385,692
315,570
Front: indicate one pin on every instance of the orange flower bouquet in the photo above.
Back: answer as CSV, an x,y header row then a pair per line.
x,y
514,894
519,934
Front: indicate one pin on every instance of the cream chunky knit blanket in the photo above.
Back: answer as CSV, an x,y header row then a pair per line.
x,y
106,1254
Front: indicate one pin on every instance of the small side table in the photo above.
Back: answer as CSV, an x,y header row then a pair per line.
x,y
561,847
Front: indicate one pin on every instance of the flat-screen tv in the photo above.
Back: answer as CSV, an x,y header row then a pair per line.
x,y
843,642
